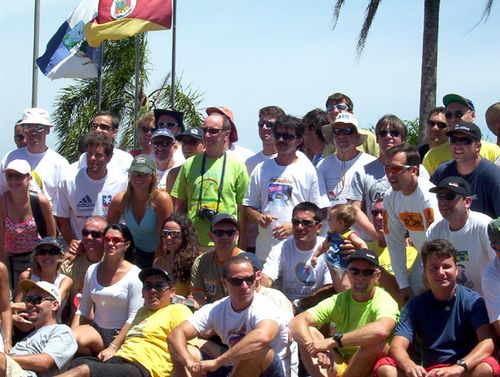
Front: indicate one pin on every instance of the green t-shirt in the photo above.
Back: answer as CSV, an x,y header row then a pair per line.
x,y
189,182
349,314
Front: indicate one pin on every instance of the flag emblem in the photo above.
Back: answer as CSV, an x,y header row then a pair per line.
x,y
122,8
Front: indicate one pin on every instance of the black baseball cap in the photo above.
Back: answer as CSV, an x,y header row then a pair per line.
x,y
365,254
155,271
194,132
466,128
458,185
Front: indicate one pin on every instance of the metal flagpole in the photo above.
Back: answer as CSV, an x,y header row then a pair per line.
x,y
99,78
137,42
34,79
172,85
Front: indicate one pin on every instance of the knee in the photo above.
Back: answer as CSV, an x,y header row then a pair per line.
x,y
482,370
3,363
386,371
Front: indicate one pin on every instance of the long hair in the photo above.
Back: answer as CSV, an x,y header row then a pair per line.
x,y
190,248
128,198
125,231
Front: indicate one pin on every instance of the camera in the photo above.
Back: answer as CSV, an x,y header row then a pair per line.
x,y
206,213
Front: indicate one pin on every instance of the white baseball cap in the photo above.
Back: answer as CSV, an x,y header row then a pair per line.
x,y
50,288
36,115
21,166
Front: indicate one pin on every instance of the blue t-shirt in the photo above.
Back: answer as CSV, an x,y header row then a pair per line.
x,y
447,329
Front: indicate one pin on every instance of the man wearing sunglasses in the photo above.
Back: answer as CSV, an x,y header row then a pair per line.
x,y
19,137
458,109
248,324
48,349
48,167
107,123
173,121
435,131
162,142
144,351
364,316
482,175
448,321
465,229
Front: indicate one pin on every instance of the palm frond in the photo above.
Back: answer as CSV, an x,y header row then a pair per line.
x,y
371,10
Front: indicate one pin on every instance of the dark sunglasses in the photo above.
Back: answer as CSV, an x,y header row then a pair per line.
x,y
36,300
91,233
457,114
239,281
19,137
460,140
267,123
396,169
174,234
432,123
393,133
157,286
147,129
30,128
166,124
222,233
304,223
343,131
102,126
211,131
338,106
47,251
164,143
449,196
190,141
284,135
374,212
113,240
356,271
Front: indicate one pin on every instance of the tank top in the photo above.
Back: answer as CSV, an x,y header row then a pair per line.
x,y
19,237
144,234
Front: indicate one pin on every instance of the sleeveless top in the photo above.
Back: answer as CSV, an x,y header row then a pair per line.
x,y
19,237
144,234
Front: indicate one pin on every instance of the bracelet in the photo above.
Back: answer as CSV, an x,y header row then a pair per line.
x,y
114,346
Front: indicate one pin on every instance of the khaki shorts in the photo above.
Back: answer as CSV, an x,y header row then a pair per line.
x,y
12,368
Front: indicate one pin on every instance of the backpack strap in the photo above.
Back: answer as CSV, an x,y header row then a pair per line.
x,y
37,214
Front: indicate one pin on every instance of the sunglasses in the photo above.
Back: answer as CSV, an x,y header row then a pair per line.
x,y
174,234
432,123
343,131
237,282
284,135
211,131
147,129
393,133
157,286
16,176
36,300
267,123
460,140
164,143
449,196
356,271
166,124
113,240
190,141
19,137
337,106
396,169
102,126
47,251
304,223
30,128
139,174
222,233
457,114
91,233
374,212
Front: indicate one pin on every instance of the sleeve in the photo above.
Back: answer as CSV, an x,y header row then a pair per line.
x,y
241,183
406,324
85,305
179,189
61,345
479,315
202,318
436,177
428,162
196,278
324,311
394,232
491,293
356,189
386,306
318,190
272,264
135,299
252,195
62,206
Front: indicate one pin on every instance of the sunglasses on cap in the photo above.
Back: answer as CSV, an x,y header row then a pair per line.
x,y
337,106
343,131
222,233
92,233
49,251
157,286
37,300
174,234
267,123
365,272
166,124
238,282
432,123
304,223
393,133
284,135
460,140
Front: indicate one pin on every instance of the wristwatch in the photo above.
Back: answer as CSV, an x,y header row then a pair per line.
x,y
338,338
462,364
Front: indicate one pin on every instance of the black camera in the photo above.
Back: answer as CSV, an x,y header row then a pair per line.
x,y
206,213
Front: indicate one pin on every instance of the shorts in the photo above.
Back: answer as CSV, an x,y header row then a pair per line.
x,y
107,335
273,370
115,366
12,368
490,360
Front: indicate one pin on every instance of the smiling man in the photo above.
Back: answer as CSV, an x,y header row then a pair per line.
x,y
364,316
450,322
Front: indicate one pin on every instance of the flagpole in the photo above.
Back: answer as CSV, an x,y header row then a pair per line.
x,y
36,32
174,26
136,101
99,78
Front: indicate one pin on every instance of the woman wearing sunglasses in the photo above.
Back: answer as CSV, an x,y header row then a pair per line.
x,y
178,250
145,127
113,291
143,207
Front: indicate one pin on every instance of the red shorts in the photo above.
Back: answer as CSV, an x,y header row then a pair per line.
x,y
490,360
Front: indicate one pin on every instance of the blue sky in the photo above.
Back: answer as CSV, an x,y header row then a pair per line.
x,y
250,54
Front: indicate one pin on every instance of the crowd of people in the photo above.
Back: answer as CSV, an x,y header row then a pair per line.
x,y
333,251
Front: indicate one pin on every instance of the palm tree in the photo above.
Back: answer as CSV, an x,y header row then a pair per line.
x,y
77,103
429,50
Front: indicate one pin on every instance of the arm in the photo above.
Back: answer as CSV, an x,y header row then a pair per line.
x,y
3,254
357,241
163,208
40,362
299,327
171,177
258,218
48,217
399,352
242,221
65,227
178,346
110,351
483,349
362,221
5,313
180,206
65,287
115,209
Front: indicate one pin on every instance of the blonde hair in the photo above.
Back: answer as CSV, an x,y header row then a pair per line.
x,y
128,197
147,119
345,213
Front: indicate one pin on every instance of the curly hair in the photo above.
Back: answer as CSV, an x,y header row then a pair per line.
x,y
190,248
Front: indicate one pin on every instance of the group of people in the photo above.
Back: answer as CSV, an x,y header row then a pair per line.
x,y
334,251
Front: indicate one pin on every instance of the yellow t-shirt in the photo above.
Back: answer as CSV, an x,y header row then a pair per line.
x,y
146,341
385,260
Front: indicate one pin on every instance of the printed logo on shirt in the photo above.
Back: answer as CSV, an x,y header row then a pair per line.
x,y
106,200
429,216
210,286
412,221
85,203
234,336
305,273
280,190
462,259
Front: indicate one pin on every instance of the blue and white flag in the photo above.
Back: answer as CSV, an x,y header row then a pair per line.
x,y
68,54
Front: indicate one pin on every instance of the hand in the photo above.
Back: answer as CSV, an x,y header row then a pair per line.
x,y
317,346
22,323
451,371
210,365
107,353
282,231
346,249
266,219
324,360
195,368
74,248
314,261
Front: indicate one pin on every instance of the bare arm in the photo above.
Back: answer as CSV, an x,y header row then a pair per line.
x,y
357,241
115,209
363,222
370,334
399,352
5,313
65,287
65,227
483,349
177,345
48,217
171,177
3,254
299,327
180,206
40,362
110,351
255,216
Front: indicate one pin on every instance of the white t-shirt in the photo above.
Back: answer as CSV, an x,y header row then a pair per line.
x,y
276,190
299,278
232,326
491,293
80,197
338,174
474,251
50,166
120,161
253,161
115,304
415,213
241,152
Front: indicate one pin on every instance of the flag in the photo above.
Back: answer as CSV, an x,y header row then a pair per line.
x,y
118,19
68,55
